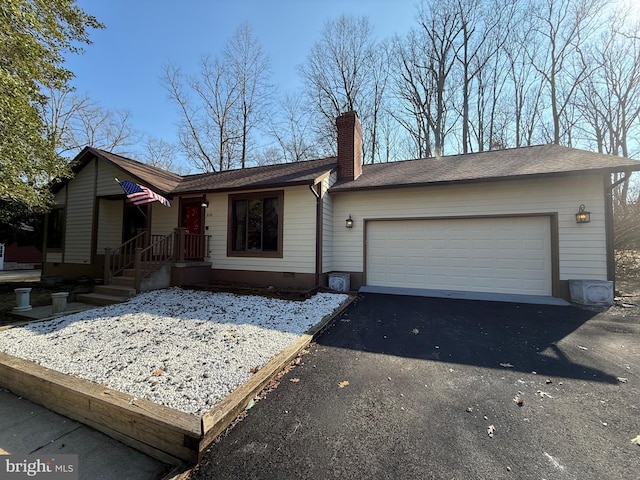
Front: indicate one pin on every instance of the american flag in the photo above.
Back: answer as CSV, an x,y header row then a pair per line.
x,y
140,195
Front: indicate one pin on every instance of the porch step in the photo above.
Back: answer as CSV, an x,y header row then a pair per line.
x,y
124,281
115,290
100,299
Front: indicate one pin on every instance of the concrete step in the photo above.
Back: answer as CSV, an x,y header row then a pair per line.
x,y
124,280
100,299
115,290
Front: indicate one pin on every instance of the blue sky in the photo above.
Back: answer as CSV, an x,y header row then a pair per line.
x,y
123,66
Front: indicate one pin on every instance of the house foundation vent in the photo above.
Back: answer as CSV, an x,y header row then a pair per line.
x,y
340,282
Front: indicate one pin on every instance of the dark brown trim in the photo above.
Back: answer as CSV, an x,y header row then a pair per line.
x,y
70,271
252,195
608,226
319,230
66,217
252,188
553,234
293,280
94,213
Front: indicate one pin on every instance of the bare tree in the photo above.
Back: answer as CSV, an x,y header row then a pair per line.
x,y
609,99
73,122
561,28
222,105
250,67
526,85
414,90
442,25
485,26
291,127
338,76
207,131
160,153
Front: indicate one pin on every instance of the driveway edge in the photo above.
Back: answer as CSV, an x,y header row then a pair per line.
x,y
223,414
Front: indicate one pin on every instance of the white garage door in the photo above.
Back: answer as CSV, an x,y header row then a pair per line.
x,y
502,255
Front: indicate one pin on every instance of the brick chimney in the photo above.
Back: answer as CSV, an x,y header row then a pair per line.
x,y
349,146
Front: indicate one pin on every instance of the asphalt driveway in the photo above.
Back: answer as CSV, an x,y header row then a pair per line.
x,y
408,388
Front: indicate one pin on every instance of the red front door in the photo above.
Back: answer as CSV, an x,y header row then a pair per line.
x,y
191,217
191,220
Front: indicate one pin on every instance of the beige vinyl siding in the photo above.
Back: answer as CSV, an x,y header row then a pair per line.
x,y
164,219
327,224
582,247
79,216
107,184
109,224
298,249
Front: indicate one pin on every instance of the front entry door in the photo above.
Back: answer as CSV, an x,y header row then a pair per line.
x,y
191,220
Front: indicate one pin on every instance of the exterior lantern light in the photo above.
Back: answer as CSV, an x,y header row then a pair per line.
x,y
205,204
349,222
582,216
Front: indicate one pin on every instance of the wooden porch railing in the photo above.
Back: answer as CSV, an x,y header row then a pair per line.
x,y
191,246
153,257
147,253
121,257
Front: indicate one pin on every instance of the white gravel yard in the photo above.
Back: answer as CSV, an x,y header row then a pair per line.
x,y
181,348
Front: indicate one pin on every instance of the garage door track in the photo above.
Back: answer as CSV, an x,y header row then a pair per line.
x,y
424,388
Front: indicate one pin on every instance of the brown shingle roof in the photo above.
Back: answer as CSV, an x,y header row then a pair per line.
x,y
298,173
493,165
152,177
474,167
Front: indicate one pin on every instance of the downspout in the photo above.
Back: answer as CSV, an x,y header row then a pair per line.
x,y
318,234
608,219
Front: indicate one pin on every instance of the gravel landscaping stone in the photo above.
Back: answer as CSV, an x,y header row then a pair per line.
x,y
180,348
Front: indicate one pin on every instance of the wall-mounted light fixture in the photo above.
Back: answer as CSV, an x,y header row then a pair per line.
x,y
205,204
582,216
349,222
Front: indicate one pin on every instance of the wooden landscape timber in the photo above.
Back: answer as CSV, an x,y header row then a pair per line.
x,y
161,432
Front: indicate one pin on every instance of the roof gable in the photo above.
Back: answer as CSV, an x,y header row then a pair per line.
x,y
153,177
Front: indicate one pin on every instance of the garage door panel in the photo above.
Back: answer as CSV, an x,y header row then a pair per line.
x,y
505,254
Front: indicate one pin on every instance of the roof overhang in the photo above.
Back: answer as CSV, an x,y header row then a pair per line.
x,y
353,187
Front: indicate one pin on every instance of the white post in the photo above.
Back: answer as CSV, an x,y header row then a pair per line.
x,y
22,300
59,302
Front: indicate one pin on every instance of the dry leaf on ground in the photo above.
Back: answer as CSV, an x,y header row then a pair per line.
x,y
158,372
294,380
490,430
636,440
343,383
415,331
506,365
543,394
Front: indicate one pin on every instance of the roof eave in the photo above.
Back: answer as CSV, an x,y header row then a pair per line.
x,y
244,188
137,178
533,176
